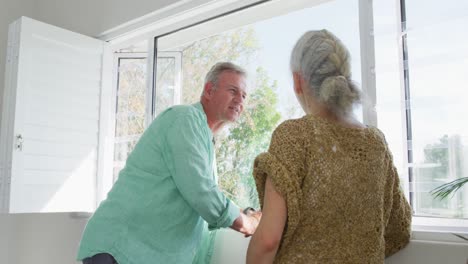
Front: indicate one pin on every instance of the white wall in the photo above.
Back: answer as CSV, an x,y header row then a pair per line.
x,y
92,17
84,16
40,238
54,238
8,241
428,252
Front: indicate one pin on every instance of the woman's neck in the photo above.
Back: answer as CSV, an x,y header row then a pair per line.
x,y
346,121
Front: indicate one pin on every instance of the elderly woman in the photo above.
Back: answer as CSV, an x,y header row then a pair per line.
x,y
327,185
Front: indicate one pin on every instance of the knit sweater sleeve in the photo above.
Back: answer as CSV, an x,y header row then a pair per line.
x,y
398,227
281,165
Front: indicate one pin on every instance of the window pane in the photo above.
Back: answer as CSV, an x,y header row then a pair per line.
x,y
388,87
165,83
265,54
130,110
437,62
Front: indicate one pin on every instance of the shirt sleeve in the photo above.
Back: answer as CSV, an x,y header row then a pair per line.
x,y
188,148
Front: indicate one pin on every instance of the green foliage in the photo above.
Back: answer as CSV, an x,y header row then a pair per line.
x,y
237,146
244,141
239,45
131,97
450,165
445,190
131,112
437,153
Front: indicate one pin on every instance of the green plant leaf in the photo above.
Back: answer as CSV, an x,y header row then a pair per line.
x,y
446,189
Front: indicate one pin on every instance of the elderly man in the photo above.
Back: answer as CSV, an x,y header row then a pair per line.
x,y
158,208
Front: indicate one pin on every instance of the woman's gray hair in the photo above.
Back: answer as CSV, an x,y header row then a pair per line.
x,y
324,63
213,75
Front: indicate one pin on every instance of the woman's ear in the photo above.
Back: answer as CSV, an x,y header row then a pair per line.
x,y
298,89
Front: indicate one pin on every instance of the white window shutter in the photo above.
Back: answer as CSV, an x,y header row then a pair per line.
x,y
51,121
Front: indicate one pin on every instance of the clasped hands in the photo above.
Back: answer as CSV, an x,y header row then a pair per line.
x,y
247,221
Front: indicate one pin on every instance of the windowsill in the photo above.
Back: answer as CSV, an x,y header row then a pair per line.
x,y
80,215
440,229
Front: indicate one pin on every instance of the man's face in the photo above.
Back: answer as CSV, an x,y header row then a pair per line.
x,y
228,96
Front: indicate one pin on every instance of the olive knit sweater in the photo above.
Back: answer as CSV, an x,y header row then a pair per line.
x,y
342,192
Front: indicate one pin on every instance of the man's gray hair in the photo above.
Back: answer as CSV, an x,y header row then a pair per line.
x,y
324,63
213,75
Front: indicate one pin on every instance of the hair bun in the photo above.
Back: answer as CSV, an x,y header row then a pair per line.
x,y
339,93
334,86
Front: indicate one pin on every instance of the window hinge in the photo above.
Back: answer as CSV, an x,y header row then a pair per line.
x,y
19,142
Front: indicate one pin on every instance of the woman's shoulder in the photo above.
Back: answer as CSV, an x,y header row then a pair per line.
x,y
377,134
290,134
291,126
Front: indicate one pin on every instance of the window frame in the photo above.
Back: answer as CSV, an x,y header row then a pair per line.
x,y
117,57
177,56
420,223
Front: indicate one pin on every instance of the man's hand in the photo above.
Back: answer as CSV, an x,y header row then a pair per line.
x,y
255,217
247,223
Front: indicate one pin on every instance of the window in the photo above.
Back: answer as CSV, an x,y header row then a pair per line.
x,y
133,99
420,111
130,109
437,61
168,80
388,88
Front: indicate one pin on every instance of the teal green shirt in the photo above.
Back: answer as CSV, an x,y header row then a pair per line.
x,y
158,208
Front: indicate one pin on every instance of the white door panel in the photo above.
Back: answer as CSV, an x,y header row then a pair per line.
x,y
60,136
55,103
